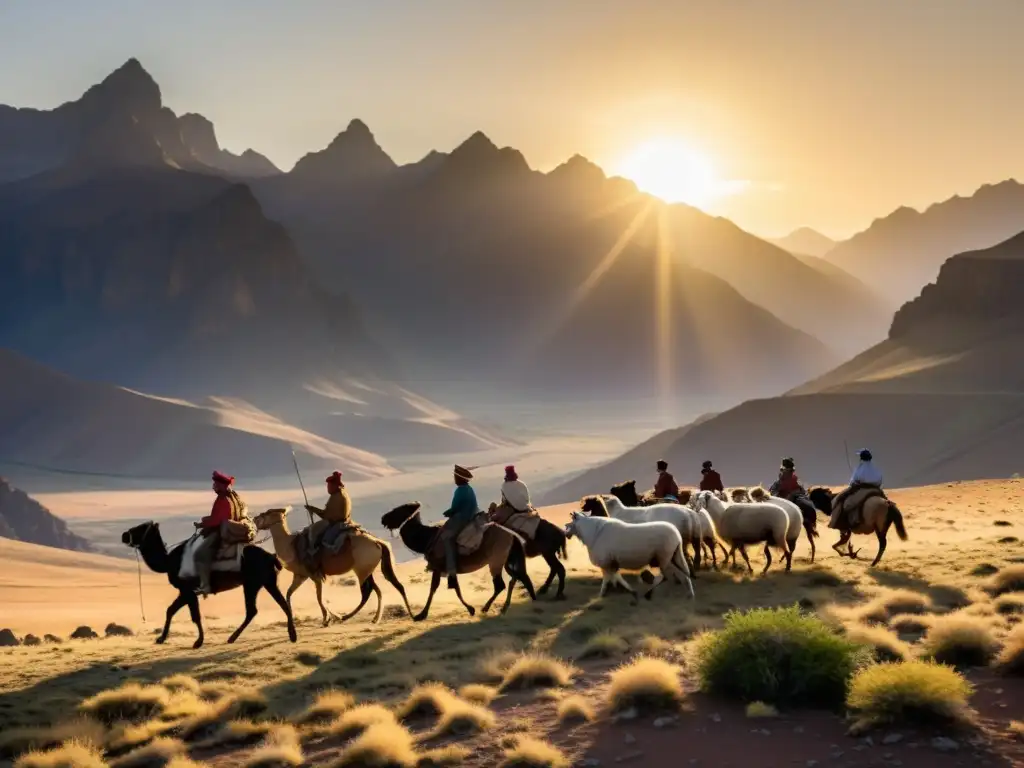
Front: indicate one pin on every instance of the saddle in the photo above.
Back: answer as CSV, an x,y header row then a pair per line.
x,y
227,559
467,541
847,512
523,523
331,540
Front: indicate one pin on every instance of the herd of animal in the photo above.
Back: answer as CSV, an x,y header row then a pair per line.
x,y
617,538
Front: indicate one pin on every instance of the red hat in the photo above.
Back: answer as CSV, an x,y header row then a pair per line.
x,y
219,477
510,472
335,477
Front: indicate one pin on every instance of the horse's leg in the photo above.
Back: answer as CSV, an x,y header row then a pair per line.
x,y
499,585
366,588
809,529
657,580
197,619
743,551
767,559
176,605
548,557
275,592
559,570
606,581
726,553
511,586
458,593
435,582
844,538
625,584
297,580
328,615
881,534
515,563
788,554
250,590
713,549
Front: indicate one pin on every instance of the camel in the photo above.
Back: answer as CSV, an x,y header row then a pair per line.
x,y
362,553
877,514
259,571
548,542
499,549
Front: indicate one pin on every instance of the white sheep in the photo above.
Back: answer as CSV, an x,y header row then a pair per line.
x,y
613,545
740,524
685,520
799,517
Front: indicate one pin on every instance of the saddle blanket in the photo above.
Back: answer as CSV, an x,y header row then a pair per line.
x,y
471,537
228,558
854,502
330,539
523,523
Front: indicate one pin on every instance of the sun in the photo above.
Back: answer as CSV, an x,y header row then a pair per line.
x,y
674,171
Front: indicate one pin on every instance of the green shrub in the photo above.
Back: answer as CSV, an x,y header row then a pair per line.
x,y
914,692
778,656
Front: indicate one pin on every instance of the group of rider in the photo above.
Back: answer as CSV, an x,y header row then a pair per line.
x,y
335,520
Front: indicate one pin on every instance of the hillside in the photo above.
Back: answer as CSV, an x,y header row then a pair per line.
x,y
805,241
900,253
23,519
940,399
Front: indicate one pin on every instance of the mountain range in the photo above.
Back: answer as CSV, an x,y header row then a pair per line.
x,y
24,519
805,242
939,400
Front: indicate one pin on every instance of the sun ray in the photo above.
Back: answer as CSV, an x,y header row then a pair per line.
x,y
663,275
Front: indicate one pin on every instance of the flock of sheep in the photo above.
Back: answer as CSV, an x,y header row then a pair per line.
x,y
620,537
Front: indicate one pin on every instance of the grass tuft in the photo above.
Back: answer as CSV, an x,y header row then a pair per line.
x,y
463,717
182,683
71,754
130,703
910,624
240,733
478,694
494,665
382,745
575,709
328,706
360,718
18,741
157,754
648,684
1009,579
280,749
909,692
758,709
960,641
529,752
604,645
534,670
1011,658
427,701
779,656
888,604
444,757
884,644
1009,605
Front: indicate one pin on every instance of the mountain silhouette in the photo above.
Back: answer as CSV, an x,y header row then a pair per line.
x,y
22,518
939,400
900,253
805,241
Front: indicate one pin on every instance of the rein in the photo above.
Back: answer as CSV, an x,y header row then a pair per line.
x,y
138,563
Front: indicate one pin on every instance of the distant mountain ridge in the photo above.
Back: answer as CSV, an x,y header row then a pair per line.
x,y
805,241
24,519
901,252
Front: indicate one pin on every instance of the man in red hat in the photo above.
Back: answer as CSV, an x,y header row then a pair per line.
x,y
337,513
209,528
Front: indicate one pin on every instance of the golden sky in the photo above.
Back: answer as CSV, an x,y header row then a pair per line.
x,y
824,113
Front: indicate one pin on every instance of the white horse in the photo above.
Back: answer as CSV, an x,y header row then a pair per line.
x,y
691,524
613,545
745,523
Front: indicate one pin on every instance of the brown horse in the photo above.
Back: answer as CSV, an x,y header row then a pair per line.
x,y
877,515
362,553
499,549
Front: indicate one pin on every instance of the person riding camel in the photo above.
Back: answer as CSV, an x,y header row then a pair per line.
x,y
225,507
788,483
514,491
865,476
710,479
665,488
461,513
337,513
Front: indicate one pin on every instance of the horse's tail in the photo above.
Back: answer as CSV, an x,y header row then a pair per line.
x,y
895,517
387,568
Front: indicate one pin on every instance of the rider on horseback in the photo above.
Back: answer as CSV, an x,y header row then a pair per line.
x,y
665,487
337,513
514,491
865,476
463,509
788,483
225,507
710,479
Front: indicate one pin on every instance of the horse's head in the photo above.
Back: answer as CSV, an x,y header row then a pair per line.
x,y
570,527
593,506
398,516
134,537
626,493
821,498
685,496
267,520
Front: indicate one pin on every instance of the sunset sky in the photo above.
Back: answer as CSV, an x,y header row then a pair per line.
x,y
827,114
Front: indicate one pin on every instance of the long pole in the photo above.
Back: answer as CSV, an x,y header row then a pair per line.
x,y
305,498
846,453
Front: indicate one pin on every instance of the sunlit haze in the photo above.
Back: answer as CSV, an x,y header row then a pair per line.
x,y
676,173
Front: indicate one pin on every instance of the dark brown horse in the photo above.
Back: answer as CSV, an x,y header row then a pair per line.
x,y
500,549
259,571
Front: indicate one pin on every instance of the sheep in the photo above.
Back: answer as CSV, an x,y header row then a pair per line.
x,y
760,496
800,515
685,520
613,544
749,523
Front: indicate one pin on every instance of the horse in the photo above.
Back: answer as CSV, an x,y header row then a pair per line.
x,y
548,542
877,514
500,548
613,544
259,571
362,553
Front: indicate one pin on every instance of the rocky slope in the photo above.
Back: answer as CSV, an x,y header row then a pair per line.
x,y
23,519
